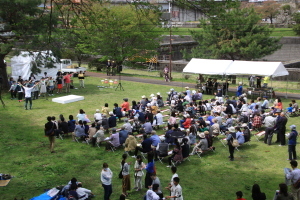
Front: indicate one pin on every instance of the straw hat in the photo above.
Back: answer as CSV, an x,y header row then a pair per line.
x,y
97,110
202,135
158,93
143,97
186,87
231,129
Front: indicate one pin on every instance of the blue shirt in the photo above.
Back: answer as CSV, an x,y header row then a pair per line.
x,y
123,134
155,140
240,137
293,138
209,118
148,127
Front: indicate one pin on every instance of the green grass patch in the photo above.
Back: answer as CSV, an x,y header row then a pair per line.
x,y
24,153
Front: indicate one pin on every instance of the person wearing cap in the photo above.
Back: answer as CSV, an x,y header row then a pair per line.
x,y
125,105
123,135
97,116
113,140
202,145
231,135
112,120
292,141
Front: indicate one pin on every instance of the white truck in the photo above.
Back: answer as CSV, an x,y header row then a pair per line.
x,y
66,66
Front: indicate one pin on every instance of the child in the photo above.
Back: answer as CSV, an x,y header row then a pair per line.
x,y
290,108
12,90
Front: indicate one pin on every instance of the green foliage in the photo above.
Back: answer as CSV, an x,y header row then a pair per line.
x,y
120,32
296,27
233,34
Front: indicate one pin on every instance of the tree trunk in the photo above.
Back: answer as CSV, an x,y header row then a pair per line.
x,y
3,73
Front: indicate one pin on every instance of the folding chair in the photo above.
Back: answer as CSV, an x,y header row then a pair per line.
x,y
160,158
259,135
200,152
143,154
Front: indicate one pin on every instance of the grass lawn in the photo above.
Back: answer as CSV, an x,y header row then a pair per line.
x,y
24,153
277,32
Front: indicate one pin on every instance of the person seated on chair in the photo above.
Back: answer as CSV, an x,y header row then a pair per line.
x,y
79,130
265,104
127,126
209,139
104,122
83,193
147,127
168,136
136,125
99,136
295,106
117,111
125,105
247,133
227,124
112,120
257,122
215,128
97,116
130,143
146,145
187,122
176,154
113,140
289,109
158,120
92,131
240,135
185,148
123,134
202,145
155,139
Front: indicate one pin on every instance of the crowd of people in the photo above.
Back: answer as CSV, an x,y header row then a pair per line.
x,y
191,118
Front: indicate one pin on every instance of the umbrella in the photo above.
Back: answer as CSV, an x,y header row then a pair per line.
x,y
177,134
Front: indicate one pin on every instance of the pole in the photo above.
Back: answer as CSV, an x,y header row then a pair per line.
x,y
170,51
287,81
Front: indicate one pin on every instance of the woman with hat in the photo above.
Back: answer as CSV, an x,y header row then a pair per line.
x,y
230,137
202,145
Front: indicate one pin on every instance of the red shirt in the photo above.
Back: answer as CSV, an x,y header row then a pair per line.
x,y
124,106
67,78
241,199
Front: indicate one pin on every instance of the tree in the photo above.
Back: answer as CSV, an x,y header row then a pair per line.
x,y
120,32
233,34
296,27
269,9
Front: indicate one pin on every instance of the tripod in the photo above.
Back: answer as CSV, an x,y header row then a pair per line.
x,y
119,84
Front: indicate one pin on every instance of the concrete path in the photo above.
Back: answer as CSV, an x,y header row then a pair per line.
x,y
174,83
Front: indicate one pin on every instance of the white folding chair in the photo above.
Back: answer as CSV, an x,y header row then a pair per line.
x,y
259,135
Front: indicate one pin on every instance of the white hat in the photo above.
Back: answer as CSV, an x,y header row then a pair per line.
x,y
172,89
244,125
97,110
231,129
202,135
152,95
111,113
292,127
194,91
158,93
143,97
148,104
187,87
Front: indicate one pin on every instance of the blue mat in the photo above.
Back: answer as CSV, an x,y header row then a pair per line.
x,y
46,197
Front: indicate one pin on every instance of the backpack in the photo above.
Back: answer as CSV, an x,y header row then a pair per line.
x,y
235,142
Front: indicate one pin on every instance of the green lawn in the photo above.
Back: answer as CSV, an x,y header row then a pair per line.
x,y
24,153
277,32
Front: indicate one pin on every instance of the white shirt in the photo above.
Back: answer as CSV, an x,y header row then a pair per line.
x,y
28,91
176,190
150,195
106,176
269,121
83,193
97,116
174,175
294,175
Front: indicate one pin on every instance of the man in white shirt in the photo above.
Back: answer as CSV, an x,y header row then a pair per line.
x,y
174,170
294,176
83,193
265,104
27,91
176,190
151,193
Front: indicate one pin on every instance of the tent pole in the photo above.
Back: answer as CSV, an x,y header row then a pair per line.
x,y
182,82
287,82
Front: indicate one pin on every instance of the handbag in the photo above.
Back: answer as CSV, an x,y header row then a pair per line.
x,y
297,184
235,142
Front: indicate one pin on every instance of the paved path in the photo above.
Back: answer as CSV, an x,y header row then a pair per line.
x,y
173,83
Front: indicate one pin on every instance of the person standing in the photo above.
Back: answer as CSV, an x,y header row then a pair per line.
x,y
28,91
106,177
230,137
258,81
67,79
239,91
81,79
292,143
19,90
126,176
166,73
173,170
266,81
43,88
13,90
280,126
50,85
176,190
294,176
138,168
108,65
48,127
59,82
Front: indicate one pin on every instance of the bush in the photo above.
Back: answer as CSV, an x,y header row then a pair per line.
x,y
186,77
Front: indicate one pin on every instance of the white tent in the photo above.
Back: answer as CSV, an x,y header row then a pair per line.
x,y
21,65
207,66
258,68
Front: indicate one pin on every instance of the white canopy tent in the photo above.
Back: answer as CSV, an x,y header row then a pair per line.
x,y
207,66
258,68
